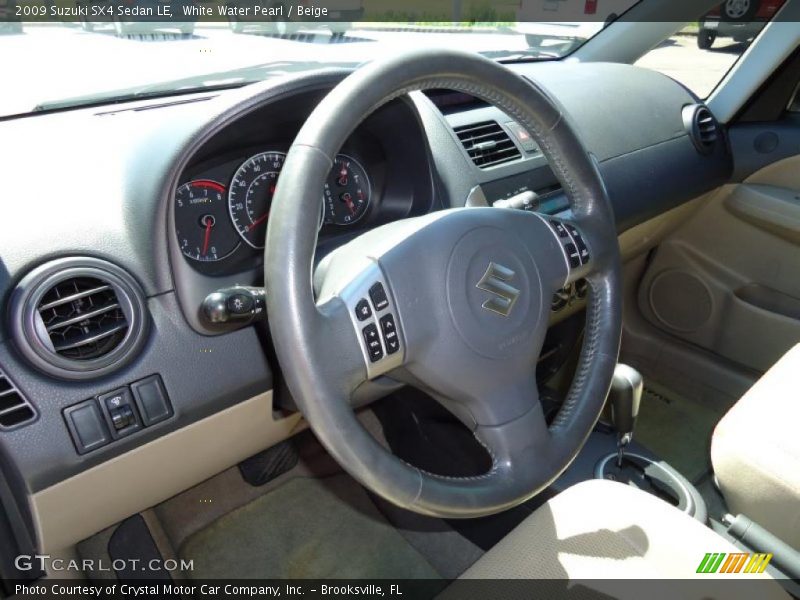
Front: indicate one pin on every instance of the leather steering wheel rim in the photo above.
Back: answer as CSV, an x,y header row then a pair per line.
x,y
486,373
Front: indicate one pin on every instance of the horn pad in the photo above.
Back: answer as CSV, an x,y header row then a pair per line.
x,y
493,291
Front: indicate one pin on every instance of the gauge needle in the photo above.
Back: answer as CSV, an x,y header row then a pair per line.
x,y
258,221
349,201
207,237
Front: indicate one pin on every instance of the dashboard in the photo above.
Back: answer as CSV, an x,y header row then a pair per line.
x,y
173,205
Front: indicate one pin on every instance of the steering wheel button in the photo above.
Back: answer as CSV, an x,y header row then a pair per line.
x,y
370,333
582,249
373,342
363,310
573,255
559,228
387,323
378,295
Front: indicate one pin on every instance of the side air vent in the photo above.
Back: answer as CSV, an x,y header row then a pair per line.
x,y
78,318
83,318
702,127
15,410
487,144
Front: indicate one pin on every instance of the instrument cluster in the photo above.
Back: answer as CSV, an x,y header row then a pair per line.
x,y
223,209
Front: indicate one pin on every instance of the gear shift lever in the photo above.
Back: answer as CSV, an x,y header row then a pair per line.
x,y
625,395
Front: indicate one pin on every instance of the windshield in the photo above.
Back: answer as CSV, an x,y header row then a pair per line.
x,y
69,53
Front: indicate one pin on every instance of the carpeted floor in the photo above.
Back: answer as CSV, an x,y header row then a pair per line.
x,y
306,528
677,429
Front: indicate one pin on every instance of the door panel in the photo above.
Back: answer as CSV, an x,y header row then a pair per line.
x,y
729,280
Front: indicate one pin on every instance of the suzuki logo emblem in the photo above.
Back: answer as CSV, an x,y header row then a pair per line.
x,y
496,281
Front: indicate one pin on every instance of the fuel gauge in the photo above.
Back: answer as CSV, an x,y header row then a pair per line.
x,y
347,191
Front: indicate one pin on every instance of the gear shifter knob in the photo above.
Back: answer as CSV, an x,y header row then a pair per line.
x,y
625,396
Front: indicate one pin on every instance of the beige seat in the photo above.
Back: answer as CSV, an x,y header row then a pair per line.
x,y
600,531
756,451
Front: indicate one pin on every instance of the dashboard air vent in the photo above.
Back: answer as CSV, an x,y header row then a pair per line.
x,y
702,127
78,318
15,410
487,144
83,318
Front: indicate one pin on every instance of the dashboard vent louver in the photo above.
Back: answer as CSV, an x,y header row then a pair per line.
x,y
83,318
702,127
15,410
77,318
487,144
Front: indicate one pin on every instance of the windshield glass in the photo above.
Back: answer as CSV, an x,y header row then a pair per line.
x,y
75,52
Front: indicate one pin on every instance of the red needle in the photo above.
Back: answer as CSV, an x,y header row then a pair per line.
x,y
349,201
207,238
258,221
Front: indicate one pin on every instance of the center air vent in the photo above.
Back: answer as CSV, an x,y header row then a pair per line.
x,y
487,144
77,318
702,127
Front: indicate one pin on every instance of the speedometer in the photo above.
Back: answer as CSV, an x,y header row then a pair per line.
x,y
250,195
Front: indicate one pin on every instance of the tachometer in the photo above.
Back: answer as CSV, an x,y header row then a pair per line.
x,y
251,193
201,221
347,191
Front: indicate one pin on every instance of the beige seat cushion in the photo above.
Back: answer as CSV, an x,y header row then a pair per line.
x,y
755,451
601,531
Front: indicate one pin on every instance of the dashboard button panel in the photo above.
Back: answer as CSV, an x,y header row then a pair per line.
x,y
113,415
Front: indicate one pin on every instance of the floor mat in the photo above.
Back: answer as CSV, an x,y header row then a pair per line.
x,y
306,528
676,429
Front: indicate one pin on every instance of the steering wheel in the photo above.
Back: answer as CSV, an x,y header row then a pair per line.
x,y
456,302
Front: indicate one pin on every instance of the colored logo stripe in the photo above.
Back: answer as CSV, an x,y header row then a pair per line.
x,y
758,563
713,562
710,562
734,562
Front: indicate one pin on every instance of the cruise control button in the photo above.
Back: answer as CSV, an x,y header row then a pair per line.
x,y
378,295
363,311
574,257
390,334
582,249
559,228
373,342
